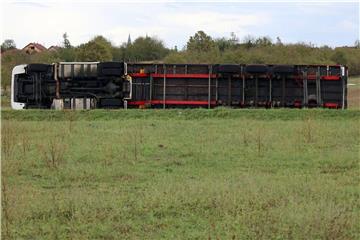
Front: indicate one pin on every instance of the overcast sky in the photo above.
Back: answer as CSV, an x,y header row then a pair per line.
x,y
330,23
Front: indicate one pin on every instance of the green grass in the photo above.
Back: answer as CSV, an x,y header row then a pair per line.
x,y
354,80
354,93
180,114
181,174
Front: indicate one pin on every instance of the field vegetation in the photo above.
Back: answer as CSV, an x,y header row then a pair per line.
x,y
180,174
200,48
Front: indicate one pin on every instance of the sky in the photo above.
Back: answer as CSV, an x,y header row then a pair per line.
x,y
321,23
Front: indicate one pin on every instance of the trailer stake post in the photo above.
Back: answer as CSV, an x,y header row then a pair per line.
x,y
243,85
229,90
305,88
209,87
283,91
318,87
164,88
270,90
256,90
151,88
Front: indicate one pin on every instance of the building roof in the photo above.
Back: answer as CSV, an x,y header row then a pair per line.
x,y
37,45
53,47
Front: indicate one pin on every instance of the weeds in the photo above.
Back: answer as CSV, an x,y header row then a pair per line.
x,y
245,137
70,116
177,178
108,154
10,134
135,146
25,145
8,140
308,130
5,209
53,152
259,140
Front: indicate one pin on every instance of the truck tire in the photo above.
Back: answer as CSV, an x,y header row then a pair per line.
x,y
283,69
37,67
256,69
227,68
112,72
111,64
111,69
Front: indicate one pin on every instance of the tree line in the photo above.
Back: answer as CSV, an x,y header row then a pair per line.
x,y
200,48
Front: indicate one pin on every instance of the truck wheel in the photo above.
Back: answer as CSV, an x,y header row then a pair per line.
x,y
227,68
257,69
111,64
283,69
37,67
111,69
112,72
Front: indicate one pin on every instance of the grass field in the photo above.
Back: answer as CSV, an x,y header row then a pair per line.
x,y
354,93
181,174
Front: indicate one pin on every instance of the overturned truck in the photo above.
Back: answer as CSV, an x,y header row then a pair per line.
x,y
87,85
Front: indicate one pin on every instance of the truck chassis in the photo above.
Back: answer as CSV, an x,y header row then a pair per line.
x,y
86,85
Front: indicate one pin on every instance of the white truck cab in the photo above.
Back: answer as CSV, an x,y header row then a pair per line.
x,y
20,69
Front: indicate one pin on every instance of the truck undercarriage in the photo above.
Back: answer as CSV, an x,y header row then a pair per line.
x,y
86,85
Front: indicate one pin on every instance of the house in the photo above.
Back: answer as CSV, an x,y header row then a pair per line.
x,y
34,48
53,48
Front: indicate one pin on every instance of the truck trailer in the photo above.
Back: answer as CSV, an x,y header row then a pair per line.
x,y
116,85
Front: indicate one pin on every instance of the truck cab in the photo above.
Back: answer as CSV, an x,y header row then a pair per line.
x,y
80,85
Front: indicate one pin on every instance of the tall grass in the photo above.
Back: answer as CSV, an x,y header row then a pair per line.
x,y
6,218
182,114
52,152
153,177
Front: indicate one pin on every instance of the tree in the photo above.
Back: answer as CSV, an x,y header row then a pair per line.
x,y
67,54
200,42
176,57
117,53
8,44
339,57
8,61
145,49
46,57
98,49
278,41
66,41
101,40
248,41
224,44
263,41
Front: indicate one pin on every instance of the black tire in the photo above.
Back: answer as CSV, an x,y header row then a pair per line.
x,y
227,68
111,69
112,72
257,69
283,69
111,65
37,67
